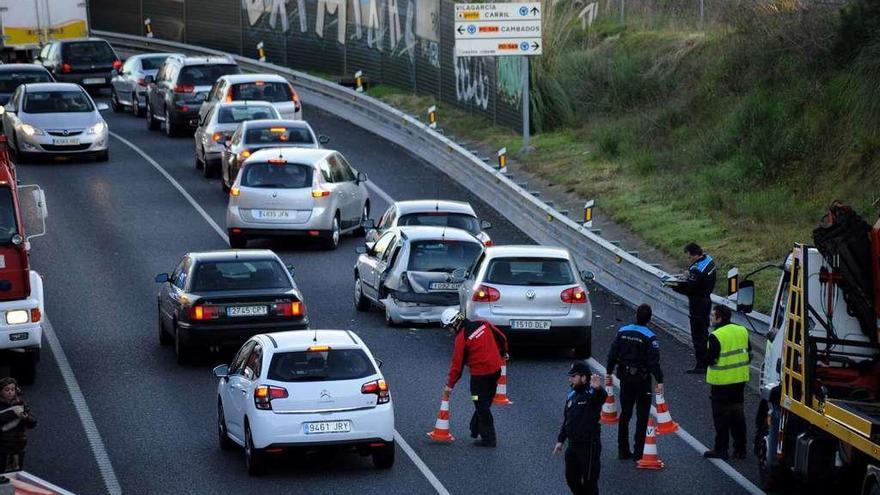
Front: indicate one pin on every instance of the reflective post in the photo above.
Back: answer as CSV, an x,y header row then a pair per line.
x,y
359,81
262,51
432,117
148,25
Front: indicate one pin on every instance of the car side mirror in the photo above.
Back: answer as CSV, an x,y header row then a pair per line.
x,y
323,139
587,275
745,296
161,278
459,273
291,269
361,177
148,79
102,107
221,371
380,363
485,224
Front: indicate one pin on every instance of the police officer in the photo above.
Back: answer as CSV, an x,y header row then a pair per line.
x,y
698,287
635,353
583,406
483,347
729,353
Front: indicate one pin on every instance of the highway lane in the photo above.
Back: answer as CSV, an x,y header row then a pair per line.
x,y
113,226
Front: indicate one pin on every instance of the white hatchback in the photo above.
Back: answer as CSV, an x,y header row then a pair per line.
x,y
301,389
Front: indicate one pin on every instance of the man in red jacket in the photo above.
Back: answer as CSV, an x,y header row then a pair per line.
x,y
483,348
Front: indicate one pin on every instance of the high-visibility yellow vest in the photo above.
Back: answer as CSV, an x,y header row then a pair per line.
x,y
733,362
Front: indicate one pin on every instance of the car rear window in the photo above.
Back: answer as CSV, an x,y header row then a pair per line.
x,y
265,91
91,52
442,256
204,75
277,175
152,63
235,115
239,275
313,366
278,134
529,271
57,102
442,219
11,80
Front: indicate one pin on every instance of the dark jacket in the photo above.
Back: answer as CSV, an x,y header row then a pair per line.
x,y
13,431
582,410
699,285
635,352
480,345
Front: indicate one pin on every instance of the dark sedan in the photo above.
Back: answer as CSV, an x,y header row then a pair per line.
x,y
14,75
219,299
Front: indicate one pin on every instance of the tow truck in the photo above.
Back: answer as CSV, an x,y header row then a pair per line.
x,y
818,421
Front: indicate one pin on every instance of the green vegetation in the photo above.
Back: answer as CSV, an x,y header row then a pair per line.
x,y
737,137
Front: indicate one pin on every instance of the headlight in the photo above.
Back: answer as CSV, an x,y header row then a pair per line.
x,y
17,316
97,128
30,130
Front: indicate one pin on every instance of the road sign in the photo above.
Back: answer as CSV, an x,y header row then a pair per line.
x,y
498,29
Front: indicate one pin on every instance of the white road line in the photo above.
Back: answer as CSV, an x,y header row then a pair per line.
x,y
111,483
694,443
403,445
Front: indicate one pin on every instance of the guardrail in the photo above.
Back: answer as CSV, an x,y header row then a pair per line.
x,y
618,271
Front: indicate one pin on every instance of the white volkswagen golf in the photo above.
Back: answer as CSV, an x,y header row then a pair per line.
x,y
304,388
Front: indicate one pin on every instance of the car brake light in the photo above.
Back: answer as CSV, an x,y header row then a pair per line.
x,y
245,153
235,191
117,64
184,88
378,387
264,394
66,68
294,308
217,137
36,315
183,108
228,98
205,312
294,97
320,193
488,243
484,293
277,161
142,82
574,295
318,348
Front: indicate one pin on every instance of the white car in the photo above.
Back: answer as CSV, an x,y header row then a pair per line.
x,y
432,212
217,126
304,388
264,87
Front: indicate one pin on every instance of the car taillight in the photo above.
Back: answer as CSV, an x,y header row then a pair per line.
x,y
289,309
117,64
320,193
218,136
485,239
235,191
184,88
66,68
378,387
484,293
244,153
204,312
294,97
142,82
228,95
264,394
183,108
36,315
574,295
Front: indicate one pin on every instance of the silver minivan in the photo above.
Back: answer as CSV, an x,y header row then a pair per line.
x,y
296,191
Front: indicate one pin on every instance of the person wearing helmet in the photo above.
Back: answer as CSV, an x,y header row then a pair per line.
x,y
483,348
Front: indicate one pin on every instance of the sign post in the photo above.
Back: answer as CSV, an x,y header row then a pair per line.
x,y
501,30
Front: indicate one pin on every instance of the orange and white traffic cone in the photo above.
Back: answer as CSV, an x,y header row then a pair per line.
x,y
609,408
650,459
665,424
441,427
500,398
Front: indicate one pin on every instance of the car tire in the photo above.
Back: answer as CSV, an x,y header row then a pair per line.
x,y
180,349
361,231
207,170
27,370
331,238
361,303
135,106
164,338
237,241
253,459
114,101
102,156
170,128
152,123
223,439
389,321
383,457
199,163
583,348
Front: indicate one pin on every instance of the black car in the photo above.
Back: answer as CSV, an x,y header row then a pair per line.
x,y
219,299
179,89
89,62
14,75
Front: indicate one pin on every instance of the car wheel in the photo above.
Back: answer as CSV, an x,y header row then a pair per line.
x,y
27,371
253,459
199,163
102,156
164,338
180,349
152,123
361,303
331,239
237,241
389,321
114,101
170,129
207,170
365,214
222,433
383,457
135,106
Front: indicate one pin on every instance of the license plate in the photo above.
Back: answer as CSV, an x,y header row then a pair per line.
x,y
65,141
273,214
530,324
247,311
444,286
18,336
327,427
94,80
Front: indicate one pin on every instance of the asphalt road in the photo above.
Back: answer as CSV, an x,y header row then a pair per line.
x,y
114,225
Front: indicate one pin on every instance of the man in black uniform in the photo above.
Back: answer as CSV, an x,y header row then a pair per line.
x,y
635,353
583,406
698,287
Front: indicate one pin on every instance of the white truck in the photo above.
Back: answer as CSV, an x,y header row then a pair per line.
x,y
27,25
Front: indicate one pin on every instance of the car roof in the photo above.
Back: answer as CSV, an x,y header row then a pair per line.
x,y
294,340
292,154
528,251
205,60
243,78
79,40
233,254
157,54
52,86
426,232
263,123
430,205
22,67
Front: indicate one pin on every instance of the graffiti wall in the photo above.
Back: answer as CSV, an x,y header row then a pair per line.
x,y
405,43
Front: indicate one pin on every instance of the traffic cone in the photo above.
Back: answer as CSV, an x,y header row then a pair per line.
x,y
609,408
500,398
441,427
650,459
665,424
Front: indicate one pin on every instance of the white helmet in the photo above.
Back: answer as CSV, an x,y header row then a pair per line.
x,y
450,316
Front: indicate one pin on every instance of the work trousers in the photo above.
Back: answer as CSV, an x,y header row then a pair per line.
x,y
700,338
729,421
634,393
582,465
482,392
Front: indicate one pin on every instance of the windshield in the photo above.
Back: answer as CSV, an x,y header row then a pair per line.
x,y
57,102
235,115
442,256
10,80
277,175
278,134
265,91
335,364
239,275
152,63
204,75
529,271
88,52
442,219
8,225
